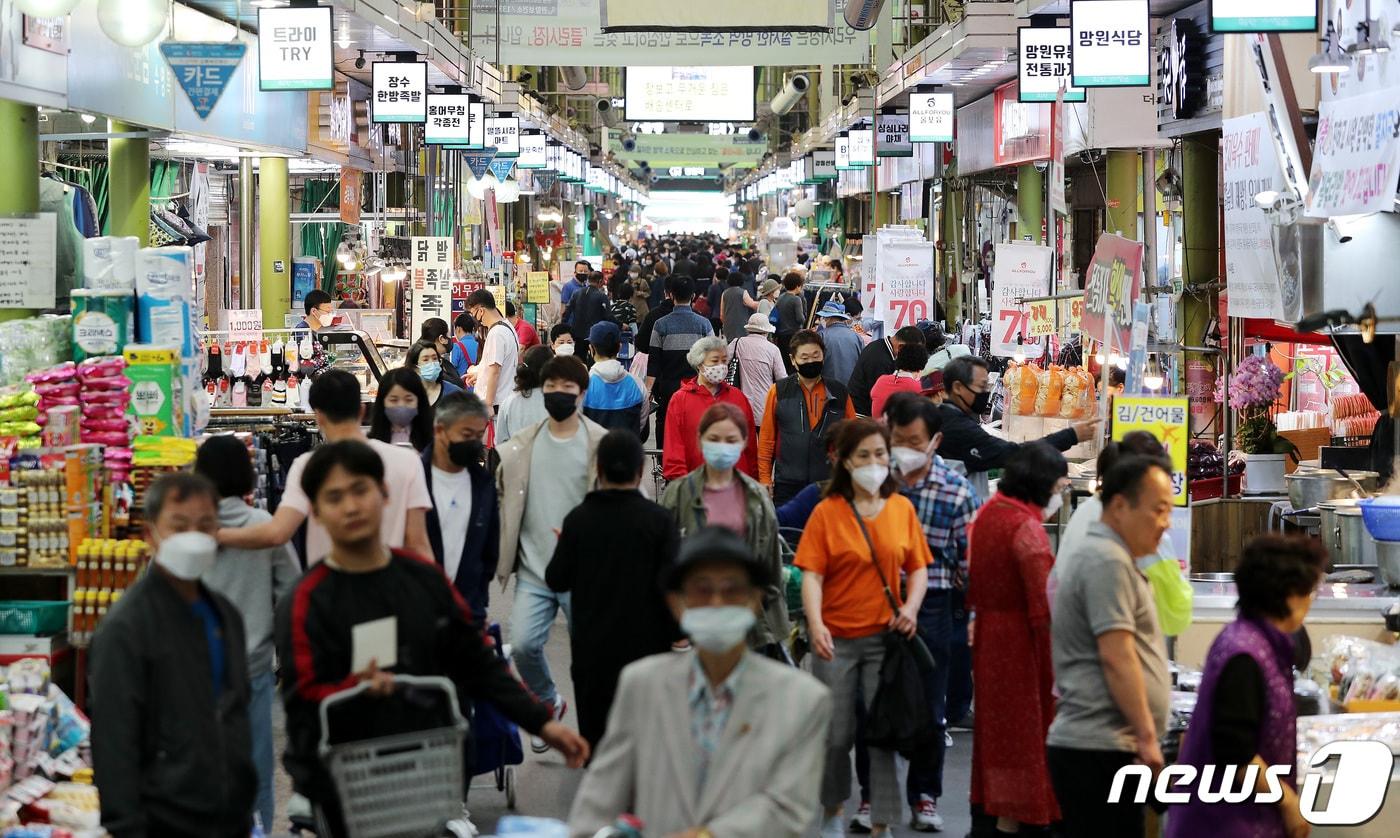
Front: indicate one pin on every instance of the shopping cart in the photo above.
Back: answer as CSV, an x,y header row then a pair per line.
x,y
407,785
496,748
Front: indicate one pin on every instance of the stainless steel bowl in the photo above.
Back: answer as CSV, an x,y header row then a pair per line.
x,y
1309,487
1388,557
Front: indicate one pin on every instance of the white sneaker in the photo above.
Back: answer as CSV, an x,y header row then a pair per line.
x,y
537,744
860,824
926,817
947,739
833,828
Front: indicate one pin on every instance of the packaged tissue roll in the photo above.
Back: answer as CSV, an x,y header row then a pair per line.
x,y
109,263
164,289
102,322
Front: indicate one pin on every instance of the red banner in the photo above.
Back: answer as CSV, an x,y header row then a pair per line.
x,y
1112,285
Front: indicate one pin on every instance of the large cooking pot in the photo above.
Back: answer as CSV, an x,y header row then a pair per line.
x,y
1388,556
1330,533
1357,546
1309,487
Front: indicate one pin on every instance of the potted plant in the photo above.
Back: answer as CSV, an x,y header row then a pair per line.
x,y
1254,389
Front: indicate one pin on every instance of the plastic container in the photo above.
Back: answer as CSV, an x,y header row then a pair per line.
x,y
1382,516
26,617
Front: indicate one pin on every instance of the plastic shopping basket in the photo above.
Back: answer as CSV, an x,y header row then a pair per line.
x,y
407,785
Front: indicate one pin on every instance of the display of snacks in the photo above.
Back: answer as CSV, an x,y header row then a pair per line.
x,y
1021,388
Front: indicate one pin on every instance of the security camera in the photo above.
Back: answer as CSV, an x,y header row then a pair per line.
x,y
1042,165
574,77
629,143
360,62
861,14
606,112
755,135
790,95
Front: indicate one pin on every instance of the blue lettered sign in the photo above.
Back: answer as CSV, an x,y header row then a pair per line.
x,y
203,69
479,161
500,167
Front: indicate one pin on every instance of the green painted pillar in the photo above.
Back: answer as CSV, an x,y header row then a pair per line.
x,y
275,240
19,160
129,183
952,269
1030,202
1122,188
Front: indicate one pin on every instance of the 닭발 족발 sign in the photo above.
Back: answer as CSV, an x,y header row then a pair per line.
x,y
294,49
400,91
429,278
1110,44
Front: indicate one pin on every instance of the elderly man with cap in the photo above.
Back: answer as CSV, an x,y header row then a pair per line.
x,y
760,363
843,345
718,742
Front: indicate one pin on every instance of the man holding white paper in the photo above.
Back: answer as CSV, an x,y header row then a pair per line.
x,y
368,613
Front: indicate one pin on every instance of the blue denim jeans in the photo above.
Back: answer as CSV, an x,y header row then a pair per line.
x,y
264,687
530,619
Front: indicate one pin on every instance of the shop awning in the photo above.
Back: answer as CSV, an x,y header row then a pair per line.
x,y
1274,331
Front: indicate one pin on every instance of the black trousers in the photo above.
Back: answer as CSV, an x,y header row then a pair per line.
x,y
1082,780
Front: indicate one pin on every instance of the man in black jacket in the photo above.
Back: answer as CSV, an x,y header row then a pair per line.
x,y
969,395
417,614
464,524
875,360
171,742
590,307
613,574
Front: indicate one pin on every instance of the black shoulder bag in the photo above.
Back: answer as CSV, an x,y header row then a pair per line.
x,y
900,718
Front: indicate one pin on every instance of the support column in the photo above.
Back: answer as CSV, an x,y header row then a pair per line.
x,y
19,159
275,240
1030,202
247,226
952,269
1200,247
129,183
1121,184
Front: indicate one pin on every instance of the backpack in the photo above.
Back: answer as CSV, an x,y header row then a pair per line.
x,y
773,317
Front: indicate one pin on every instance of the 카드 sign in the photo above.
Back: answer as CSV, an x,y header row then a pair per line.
x,y
1110,44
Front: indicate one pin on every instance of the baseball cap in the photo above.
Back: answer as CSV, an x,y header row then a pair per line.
x,y
602,330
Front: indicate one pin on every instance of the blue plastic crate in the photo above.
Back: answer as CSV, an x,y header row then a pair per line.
x,y
27,617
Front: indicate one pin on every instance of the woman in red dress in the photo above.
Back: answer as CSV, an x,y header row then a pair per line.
x,y
1009,558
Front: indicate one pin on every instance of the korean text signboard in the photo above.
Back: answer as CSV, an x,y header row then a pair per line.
x,y
503,134
931,117
1020,270
537,287
862,147
431,267
1111,286
843,154
294,49
1045,65
894,136
905,284
400,92
1263,15
532,151
447,119
1251,167
823,164
1166,418
1109,45
1356,157
203,69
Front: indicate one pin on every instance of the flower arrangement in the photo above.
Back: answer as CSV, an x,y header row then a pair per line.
x,y
1253,390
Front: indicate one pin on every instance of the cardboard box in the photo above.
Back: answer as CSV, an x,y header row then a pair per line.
x,y
157,390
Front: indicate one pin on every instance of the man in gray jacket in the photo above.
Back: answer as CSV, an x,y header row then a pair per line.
x,y
254,581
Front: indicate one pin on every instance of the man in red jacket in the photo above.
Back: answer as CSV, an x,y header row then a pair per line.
x,y
681,455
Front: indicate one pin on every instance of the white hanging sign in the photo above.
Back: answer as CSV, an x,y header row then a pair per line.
x,y
843,154
447,119
1263,15
931,117
1110,43
532,152
1020,270
823,165
503,132
906,283
862,147
400,91
294,49
894,136
1044,65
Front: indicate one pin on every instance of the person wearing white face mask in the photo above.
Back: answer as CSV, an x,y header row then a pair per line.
x,y
681,454
855,545
718,742
1009,559
717,493
169,664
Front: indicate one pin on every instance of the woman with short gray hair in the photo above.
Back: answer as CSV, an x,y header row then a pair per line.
x,y
709,357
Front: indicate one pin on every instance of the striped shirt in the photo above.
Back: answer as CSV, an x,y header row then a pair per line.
x,y
671,339
945,503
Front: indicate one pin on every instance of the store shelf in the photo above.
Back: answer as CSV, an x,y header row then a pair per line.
x,y
36,571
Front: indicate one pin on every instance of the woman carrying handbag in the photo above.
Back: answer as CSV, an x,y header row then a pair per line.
x,y
862,533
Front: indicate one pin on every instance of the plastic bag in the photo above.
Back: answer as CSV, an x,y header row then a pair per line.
x,y
1077,394
1021,387
1051,382
1172,594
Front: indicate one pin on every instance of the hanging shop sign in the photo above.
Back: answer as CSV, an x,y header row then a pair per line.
x,y
862,147
203,69
931,117
1110,45
694,150
1251,168
1112,285
905,294
479,162
503,134
400,91
1019,270
351,194
1263,15
28,260
823,164
1043,56
431,265
843,154
532,155
1356,159
572,32
501,167
1165,417
894,136
49,34
448,119
295,48
1190,73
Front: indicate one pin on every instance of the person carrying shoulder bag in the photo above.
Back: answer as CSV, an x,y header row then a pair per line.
x,y
861,534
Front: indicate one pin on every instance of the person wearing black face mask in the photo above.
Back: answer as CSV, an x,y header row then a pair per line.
x,y
800,411
964,440
463,523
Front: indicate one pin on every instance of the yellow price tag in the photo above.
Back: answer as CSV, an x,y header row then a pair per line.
x,y
1070,313
1040,318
